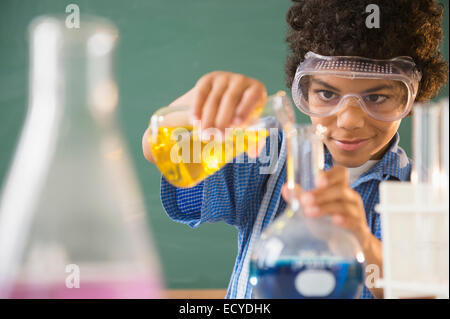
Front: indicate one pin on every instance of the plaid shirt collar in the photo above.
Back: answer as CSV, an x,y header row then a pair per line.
x,y
394,165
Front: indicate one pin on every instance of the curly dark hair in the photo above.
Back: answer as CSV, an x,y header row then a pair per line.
x,y
335,27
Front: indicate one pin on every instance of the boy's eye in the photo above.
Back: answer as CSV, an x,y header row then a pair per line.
x,y
376,98
326,95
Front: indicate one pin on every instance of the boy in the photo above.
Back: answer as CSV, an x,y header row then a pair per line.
x,y
362,117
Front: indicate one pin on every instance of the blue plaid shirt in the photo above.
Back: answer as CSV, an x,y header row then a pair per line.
x,y
239,195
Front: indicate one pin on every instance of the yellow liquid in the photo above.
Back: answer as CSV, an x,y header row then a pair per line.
x,y
185,160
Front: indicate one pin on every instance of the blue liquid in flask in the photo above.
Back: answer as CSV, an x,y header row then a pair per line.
x,y
297,257
308,278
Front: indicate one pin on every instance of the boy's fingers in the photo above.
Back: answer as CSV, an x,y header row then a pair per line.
x,y
337,175
229,102
333,208
202,89
297,191
255,96
215,96
332,194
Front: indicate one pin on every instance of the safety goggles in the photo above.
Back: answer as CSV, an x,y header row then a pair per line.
x,y
386,89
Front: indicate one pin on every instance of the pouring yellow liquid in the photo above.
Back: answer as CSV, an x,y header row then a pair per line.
x,y
185,160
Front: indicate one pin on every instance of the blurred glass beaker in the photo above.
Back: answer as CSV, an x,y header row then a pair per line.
x,y
72,218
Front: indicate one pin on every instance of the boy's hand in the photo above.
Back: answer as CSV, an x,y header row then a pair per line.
x,y
333,196
220,100
224,99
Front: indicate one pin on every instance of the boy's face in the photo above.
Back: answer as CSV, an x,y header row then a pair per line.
x,y
353,137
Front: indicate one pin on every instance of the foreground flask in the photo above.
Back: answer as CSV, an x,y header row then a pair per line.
x,y
301,257
72,218
185,157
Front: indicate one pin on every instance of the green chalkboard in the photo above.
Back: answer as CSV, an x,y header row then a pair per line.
x,y
165,46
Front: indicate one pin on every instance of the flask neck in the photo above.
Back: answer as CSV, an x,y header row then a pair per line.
x,y
305,159
276,111
71,72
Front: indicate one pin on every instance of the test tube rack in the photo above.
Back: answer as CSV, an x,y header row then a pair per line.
x,y
415,236
414,215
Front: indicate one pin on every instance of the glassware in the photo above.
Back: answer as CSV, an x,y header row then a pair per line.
x,y
302,257
185,157
444,142
429,177
426,144
72,218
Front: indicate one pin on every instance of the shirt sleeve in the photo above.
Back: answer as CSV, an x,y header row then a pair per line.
x,y
233,194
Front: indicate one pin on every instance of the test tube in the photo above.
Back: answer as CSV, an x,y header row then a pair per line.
x,y
426,144
444,142
305,156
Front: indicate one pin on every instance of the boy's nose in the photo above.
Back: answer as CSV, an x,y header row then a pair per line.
x,y
351,116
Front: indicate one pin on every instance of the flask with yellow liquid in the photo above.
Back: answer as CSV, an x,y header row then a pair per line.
x,y
185,158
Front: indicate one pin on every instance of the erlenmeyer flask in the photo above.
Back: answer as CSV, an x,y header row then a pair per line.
x,y
72,218
301,257
185,158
